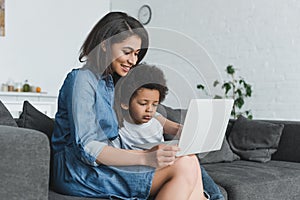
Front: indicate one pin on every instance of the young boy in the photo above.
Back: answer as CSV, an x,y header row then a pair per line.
x,y
136,99
136,102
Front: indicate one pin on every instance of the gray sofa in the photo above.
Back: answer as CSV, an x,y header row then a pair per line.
x,y
278,178
25,164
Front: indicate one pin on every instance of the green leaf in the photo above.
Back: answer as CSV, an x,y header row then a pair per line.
x,y
216,83
248,91
233,114
239,102
242,82
230,69
239,92
200,86
227,87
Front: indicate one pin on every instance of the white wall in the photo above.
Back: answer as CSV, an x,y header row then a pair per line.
x,y
43,38
259,37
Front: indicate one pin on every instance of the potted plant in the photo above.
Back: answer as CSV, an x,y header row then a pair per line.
x,y
235,88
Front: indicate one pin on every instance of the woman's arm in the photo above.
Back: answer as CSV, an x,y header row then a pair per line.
x,y
159,156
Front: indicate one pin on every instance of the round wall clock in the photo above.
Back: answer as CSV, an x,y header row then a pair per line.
x,y
145,14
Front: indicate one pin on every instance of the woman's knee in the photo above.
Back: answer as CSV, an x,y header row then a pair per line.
x,y
189,162
188,167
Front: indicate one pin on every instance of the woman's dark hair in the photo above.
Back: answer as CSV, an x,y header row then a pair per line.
x,y
114,27
142,76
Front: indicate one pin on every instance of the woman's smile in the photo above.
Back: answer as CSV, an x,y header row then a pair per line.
x,y
125,68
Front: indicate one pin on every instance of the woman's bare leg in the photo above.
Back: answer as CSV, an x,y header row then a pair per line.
x,y
198,189
182,180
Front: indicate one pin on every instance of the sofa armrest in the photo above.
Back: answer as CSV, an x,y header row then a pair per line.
x,y
24,166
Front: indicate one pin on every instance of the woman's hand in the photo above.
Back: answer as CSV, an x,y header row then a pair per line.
x,y
161,155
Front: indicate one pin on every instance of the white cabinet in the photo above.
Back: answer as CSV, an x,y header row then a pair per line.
x,y
45,103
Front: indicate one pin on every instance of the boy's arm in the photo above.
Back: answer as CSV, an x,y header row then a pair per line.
x,y
169,126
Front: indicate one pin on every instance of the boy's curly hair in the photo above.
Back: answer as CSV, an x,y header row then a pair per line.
x,y
142,76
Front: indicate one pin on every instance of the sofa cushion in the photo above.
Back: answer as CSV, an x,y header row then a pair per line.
x,y
34,119
288,148
248,180
225,154
5,117
255,140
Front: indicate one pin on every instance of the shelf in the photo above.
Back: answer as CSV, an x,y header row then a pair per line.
x,y
44,102
33,94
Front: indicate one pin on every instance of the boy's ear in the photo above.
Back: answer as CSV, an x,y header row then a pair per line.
x,y
124,106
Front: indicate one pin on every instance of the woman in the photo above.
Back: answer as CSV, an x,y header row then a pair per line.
x,y
87,159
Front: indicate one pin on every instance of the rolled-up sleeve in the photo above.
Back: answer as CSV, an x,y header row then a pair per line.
x,y
94,148
90,137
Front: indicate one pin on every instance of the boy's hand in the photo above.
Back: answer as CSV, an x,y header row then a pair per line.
x,y
179,130
162,155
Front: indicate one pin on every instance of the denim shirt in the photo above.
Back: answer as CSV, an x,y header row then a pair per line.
x,y
85,119
84,124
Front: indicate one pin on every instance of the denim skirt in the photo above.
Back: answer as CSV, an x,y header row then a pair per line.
x,y
71,176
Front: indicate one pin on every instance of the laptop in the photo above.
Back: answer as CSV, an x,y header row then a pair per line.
x,y
203,129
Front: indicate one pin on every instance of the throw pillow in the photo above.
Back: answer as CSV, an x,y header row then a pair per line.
x,y
225,154
5,117
34,119
255,140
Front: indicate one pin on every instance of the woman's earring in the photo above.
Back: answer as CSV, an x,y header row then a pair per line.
x,y
103,46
